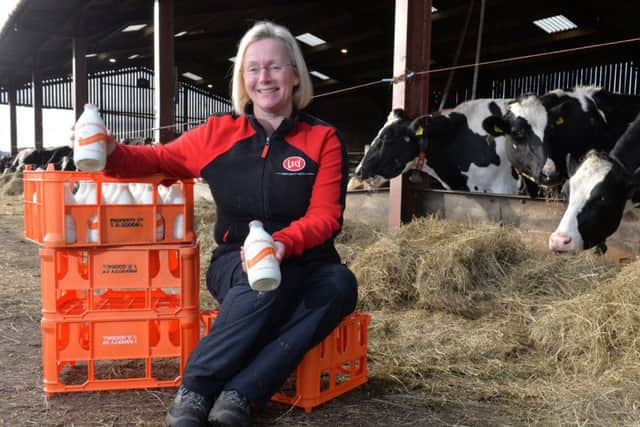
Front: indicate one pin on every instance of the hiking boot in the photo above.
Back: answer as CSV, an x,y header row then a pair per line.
x,y
230,410
189,409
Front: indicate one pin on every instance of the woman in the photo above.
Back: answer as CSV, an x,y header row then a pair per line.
x,y
270,162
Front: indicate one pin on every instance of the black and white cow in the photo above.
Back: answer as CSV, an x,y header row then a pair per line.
x,y
598,193
543,131
451,146
61,157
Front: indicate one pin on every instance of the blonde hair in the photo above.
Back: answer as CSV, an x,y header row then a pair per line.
x,y
302,94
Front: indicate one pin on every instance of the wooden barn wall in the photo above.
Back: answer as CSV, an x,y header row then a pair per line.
x,y
125,99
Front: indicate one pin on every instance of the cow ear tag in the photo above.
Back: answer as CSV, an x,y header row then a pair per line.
x,y
419,131
497,129
559,120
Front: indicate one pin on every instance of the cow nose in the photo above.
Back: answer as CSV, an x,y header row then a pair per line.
x,y
549,171
560,242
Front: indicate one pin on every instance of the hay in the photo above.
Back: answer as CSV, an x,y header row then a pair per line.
x,y
354,238
4,178
596,331
386,272
475,321
464,275
13,187
358,233
204,220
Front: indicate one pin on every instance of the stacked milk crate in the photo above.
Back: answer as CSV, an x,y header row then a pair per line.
x,y
119,278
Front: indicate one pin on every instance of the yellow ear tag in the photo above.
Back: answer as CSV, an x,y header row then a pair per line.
x,y
559,120
419,131
497,129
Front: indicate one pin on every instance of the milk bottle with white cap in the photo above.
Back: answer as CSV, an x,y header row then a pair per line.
x,y
263,269
175,196
146,198
69,222
90,141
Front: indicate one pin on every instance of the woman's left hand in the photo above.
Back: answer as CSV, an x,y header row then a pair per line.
x,y
280,250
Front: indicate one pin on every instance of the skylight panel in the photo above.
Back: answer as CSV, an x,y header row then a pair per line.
x,y
310,39
136,27
319,75
555,24
192,76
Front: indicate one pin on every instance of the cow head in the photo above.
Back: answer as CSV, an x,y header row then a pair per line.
x,y
596,196
395,145
523,127
542,130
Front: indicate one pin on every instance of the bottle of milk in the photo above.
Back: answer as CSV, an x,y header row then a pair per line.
x,y
90,142
263,269
175,196
69,222
122,195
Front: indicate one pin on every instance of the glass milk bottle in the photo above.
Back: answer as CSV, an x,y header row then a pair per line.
x,y
69,222
175,196
263,269
90,142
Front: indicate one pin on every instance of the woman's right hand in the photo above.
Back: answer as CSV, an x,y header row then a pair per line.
x,y
111,140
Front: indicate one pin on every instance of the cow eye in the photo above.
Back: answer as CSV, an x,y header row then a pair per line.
x,y
407,139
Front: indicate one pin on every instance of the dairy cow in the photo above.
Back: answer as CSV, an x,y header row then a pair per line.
x,y
598,193
542,132
61,157
451,146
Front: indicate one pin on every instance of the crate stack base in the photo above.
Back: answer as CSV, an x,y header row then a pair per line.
x,y
118,317
333,367
120,301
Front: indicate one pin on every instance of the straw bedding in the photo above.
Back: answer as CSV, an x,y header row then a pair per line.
x,y
471,316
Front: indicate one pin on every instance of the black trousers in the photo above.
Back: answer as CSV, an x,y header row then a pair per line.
x,y
259,338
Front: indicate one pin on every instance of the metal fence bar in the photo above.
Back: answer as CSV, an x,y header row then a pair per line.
x,y
125,99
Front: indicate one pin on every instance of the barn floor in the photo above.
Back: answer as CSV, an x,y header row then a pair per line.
x,y
513,362
377,403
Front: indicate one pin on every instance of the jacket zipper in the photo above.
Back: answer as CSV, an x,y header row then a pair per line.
x,y
263,155
265,149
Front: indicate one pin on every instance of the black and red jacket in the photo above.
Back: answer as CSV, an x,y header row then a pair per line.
x,y
293,181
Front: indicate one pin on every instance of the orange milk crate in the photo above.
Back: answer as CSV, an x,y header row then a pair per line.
x,y
333,367
53,218
117,350
78,283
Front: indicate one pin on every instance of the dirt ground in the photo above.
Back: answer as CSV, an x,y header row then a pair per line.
x,y
380,402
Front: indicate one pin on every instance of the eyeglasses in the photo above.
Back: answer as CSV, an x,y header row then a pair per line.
x,y
254,70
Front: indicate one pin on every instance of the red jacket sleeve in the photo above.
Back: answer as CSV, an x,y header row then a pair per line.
x,y
179,158
323,218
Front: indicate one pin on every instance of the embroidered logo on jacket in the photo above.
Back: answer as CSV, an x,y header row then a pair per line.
x,y
294,163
